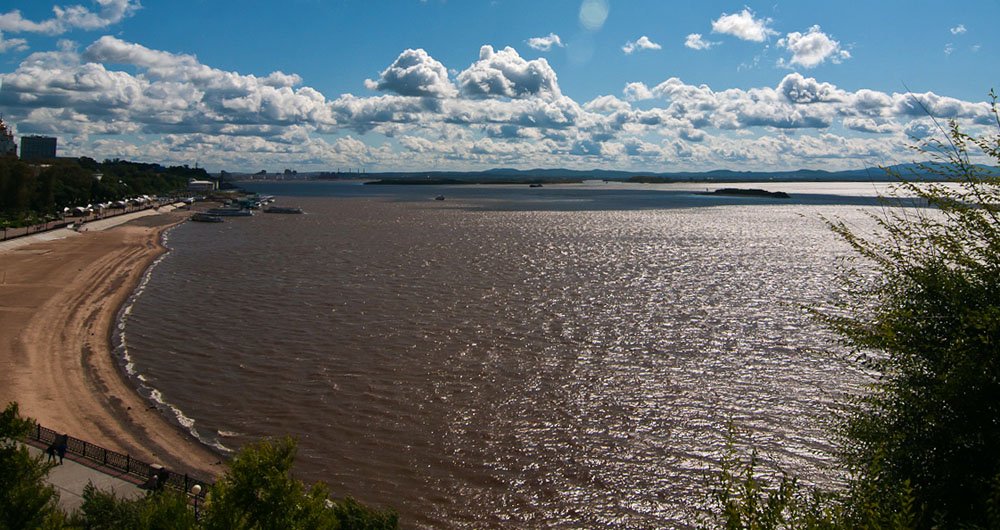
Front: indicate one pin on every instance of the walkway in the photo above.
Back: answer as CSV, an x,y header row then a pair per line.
x,y
71,477
92,226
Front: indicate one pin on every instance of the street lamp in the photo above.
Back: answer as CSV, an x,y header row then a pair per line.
x,y
196,490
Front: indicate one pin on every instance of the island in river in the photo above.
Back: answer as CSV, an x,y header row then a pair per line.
x,y
738,192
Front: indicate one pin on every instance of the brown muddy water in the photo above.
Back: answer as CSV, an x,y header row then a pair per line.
x,y
499,359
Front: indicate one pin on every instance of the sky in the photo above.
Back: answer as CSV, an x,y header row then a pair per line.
x,y
417,85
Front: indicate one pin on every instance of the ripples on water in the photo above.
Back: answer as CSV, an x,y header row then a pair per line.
x,y
502,368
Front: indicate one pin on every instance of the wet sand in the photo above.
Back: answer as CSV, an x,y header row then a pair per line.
x,y
59,301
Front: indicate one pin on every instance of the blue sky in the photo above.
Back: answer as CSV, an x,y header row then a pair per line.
x,y
417,85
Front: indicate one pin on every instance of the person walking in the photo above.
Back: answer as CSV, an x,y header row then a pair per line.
x,y
62,442
51,451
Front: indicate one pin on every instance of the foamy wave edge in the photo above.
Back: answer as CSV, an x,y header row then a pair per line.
x,y
119,349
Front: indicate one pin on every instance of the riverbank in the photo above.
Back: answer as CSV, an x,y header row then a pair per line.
x,y
59,300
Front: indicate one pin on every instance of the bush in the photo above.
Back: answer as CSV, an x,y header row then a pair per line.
x,y
161,510
926,436
259,492
26,501
922,444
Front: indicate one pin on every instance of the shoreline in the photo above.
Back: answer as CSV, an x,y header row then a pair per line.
x,y
66,296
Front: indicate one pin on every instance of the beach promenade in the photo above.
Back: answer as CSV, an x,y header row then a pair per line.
x,y
92,226
60,292
71,477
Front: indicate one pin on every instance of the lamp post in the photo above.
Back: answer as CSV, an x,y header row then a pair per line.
x,y
196,490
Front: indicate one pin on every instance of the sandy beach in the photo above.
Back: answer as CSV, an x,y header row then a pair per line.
x,y
59,301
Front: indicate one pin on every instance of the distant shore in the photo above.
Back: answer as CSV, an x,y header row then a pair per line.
x,y
459,182
60,300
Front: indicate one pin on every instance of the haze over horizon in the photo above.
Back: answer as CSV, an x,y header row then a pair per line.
x,y
433,85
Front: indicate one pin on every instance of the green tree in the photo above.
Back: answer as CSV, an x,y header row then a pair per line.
x,y
926,437
259,492
26,501
921,312
161,510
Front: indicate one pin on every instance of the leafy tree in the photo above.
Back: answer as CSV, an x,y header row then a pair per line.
x,y
259,492
161,510
26,501
921,311
926,437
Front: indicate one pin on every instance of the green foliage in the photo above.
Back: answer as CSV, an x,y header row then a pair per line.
x,y
746,498
259,492
921,312
26,501
924,440
28,192
160,510
352,515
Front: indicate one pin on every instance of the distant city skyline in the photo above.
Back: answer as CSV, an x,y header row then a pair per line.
x,y
415,85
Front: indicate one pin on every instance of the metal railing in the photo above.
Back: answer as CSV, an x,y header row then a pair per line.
x,y
144,471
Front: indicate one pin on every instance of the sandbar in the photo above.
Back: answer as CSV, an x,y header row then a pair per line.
x,y
59,301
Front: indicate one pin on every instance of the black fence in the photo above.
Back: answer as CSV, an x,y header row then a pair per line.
x,y
147,474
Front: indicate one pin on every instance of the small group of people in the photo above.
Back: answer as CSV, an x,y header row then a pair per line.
x,y
158,477
58,447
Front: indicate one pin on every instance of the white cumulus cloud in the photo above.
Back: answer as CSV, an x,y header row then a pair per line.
x,y
108,12
799,89
414,73
642,43
696,42
958,30
505,73
546,43
7,44
744,25
813,48
637,91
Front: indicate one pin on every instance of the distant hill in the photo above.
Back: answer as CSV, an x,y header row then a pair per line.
x,y
499,175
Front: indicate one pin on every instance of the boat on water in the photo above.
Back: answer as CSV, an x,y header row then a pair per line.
x,y
535,185
206,218
229,212
283,209
439,198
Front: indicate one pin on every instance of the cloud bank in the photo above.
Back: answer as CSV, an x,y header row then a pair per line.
x,y
117,98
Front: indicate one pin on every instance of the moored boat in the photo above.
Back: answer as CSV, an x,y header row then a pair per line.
x,y
229,212
283,209
206,218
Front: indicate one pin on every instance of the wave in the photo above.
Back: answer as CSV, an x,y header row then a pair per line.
x,y
119,349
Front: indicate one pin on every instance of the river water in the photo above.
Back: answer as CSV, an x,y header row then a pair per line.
x,y
508,357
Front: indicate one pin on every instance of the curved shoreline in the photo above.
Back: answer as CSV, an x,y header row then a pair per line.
x,y
119,347
60,302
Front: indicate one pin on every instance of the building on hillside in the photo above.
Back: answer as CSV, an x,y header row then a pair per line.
x,y
201,185
7,145
38,147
